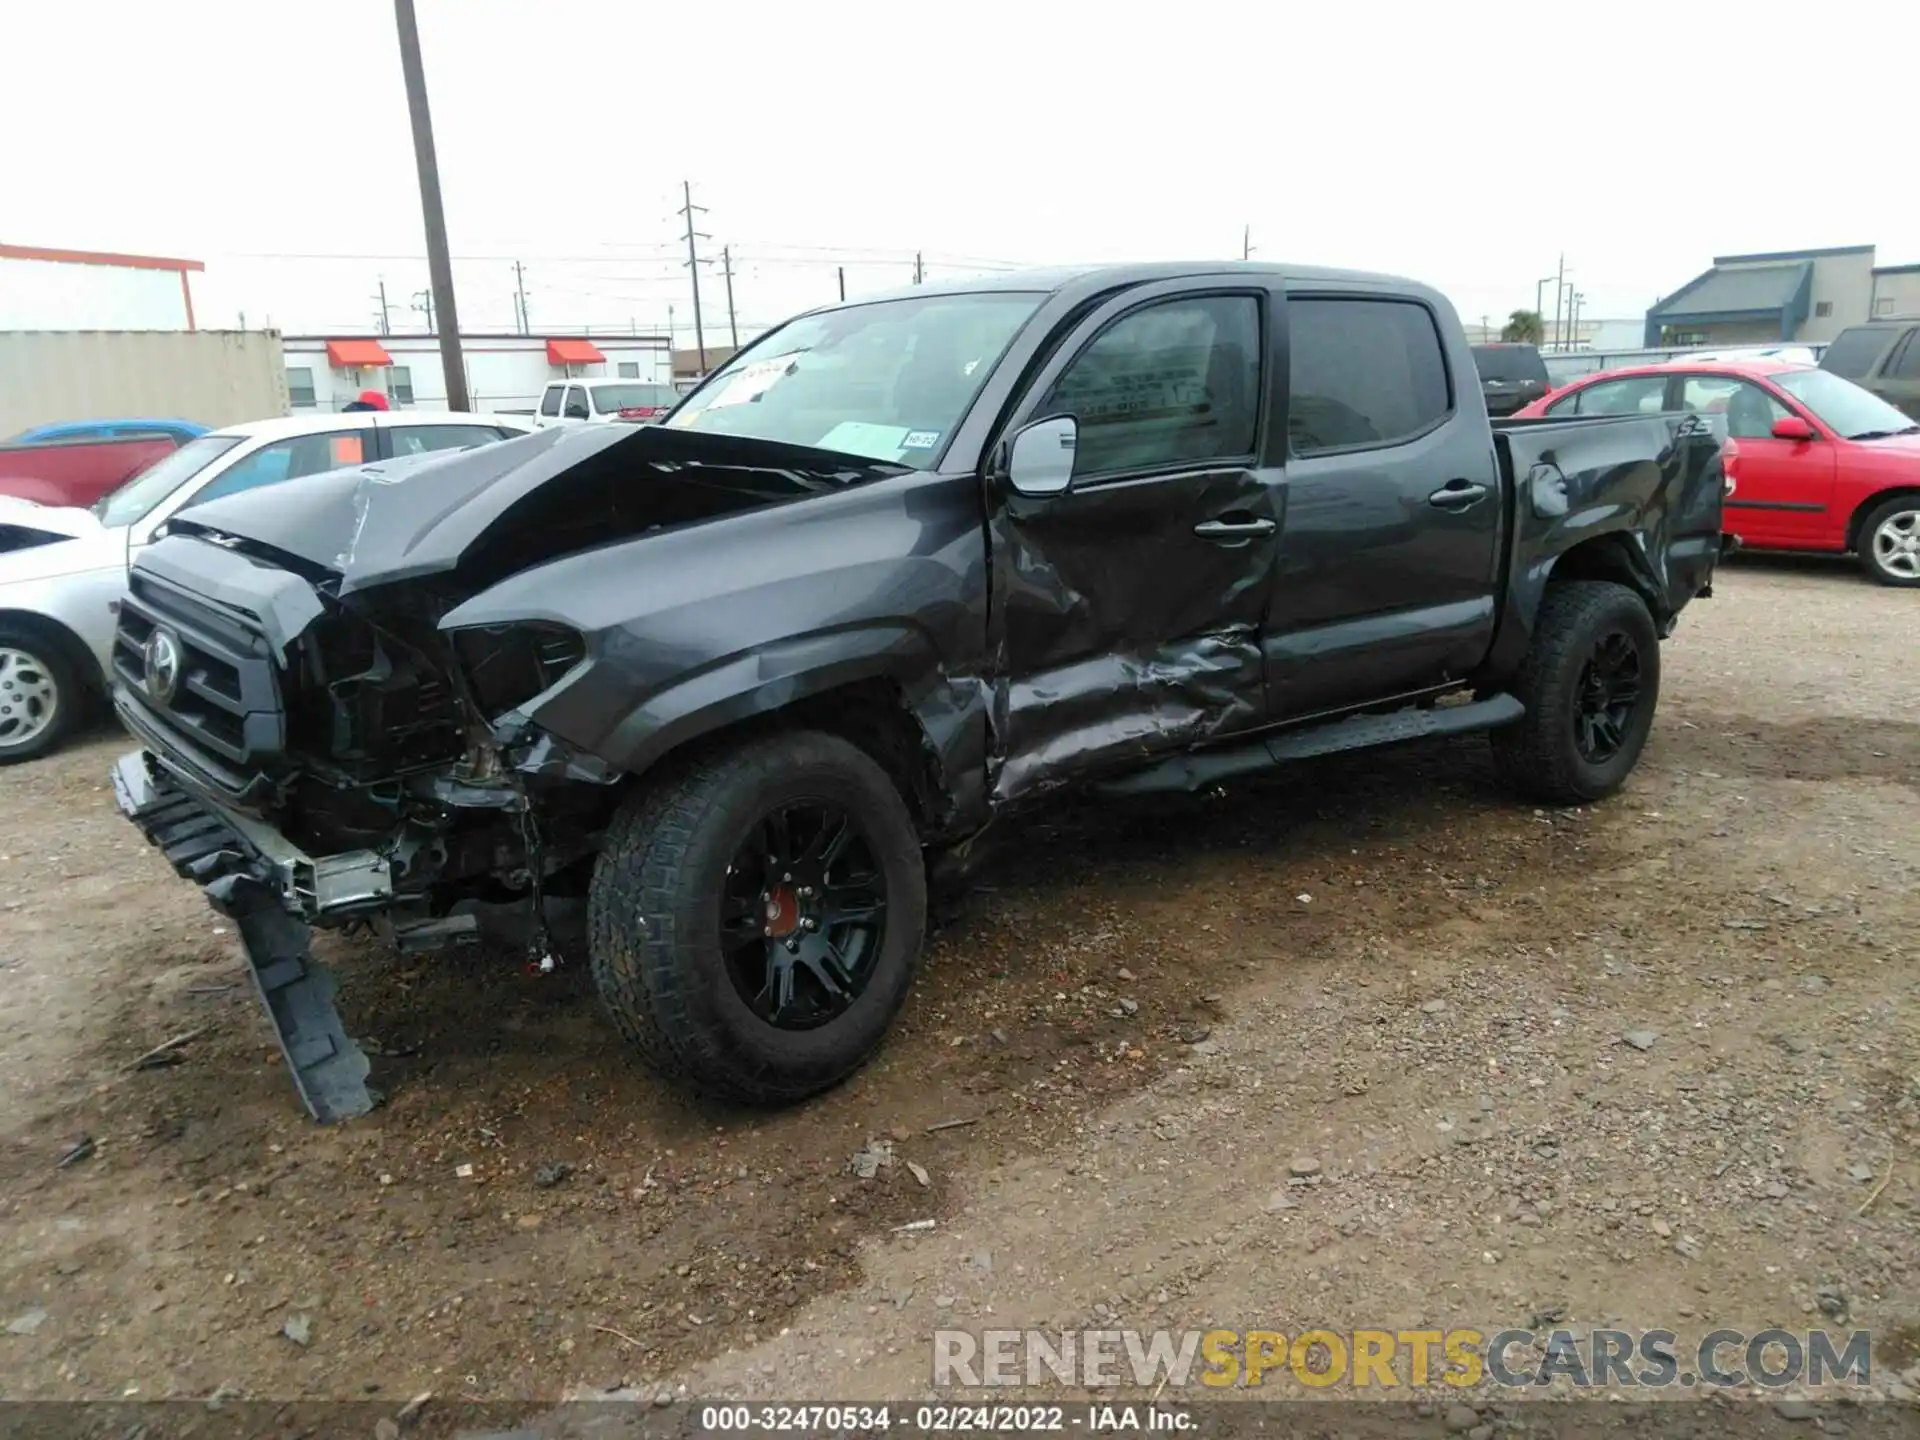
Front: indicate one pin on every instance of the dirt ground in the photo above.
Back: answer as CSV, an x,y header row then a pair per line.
x,y
1377,968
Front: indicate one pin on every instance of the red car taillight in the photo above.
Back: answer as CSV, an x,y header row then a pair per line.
x,y
641,412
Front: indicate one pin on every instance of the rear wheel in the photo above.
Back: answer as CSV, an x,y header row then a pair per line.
x,y
1590,681
40,695
756,920
1890,541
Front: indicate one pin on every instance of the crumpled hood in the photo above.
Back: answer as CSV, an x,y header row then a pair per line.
x,y
498,508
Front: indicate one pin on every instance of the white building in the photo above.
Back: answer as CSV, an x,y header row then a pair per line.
x,y
44,289
505,373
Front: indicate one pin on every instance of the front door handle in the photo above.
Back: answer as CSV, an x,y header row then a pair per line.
x,y
1457,495
1234,529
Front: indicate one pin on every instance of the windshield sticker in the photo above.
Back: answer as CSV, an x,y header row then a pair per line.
x,y
859,437
921,440
754,380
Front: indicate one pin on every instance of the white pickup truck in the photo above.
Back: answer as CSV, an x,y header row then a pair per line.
x,y
63,571
603,402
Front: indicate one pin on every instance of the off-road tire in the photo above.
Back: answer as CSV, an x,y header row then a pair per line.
x,y
70,696
653,918
1869,527
1538,755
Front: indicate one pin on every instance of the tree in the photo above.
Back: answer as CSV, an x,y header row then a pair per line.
x,y
1524,327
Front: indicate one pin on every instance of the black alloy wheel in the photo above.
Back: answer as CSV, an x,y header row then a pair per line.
x,y
803,914
1608,696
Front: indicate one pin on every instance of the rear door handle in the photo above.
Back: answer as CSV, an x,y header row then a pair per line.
x,y
1457,495
1234,529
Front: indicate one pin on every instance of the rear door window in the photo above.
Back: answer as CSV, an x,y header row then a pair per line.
x,y
1632,395
550,402
1366,373
415,439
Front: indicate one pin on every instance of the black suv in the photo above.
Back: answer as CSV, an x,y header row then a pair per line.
x,y
1510,376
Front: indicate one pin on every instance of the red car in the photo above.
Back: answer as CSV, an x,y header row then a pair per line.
x,y
1813,461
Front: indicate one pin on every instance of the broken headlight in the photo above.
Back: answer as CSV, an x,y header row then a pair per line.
x,y
507,665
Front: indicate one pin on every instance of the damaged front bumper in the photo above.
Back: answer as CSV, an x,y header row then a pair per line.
x,y
271,890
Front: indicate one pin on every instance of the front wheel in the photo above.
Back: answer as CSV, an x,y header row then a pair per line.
x,y
1590,681
1890,541
755,921
40,696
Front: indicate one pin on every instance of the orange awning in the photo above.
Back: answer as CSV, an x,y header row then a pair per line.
x,y
573,352
357,354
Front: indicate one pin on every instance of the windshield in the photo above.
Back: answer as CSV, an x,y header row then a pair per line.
x,y
1843,405
633,397
887,380
132,501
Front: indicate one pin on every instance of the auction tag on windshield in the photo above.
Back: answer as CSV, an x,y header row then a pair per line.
x,y
921,440
753,381
860,437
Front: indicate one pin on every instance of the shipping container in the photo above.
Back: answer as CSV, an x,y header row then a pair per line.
x,y
215,377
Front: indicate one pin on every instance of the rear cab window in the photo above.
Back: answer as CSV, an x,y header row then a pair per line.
x,y
1367,373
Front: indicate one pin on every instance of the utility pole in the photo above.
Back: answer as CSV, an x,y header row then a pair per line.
x,y
689,209
843,282
423,302
1246,242
1559,284
381,301
439,262
520,291
919,269
726,268
1573,328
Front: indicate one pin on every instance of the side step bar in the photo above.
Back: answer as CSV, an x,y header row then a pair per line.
x,y
1198,768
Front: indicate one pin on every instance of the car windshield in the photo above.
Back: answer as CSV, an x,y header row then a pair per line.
x,y
1843,405
633,397
133,500
887,380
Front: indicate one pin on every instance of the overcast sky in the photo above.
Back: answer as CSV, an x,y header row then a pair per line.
x,y
1467,145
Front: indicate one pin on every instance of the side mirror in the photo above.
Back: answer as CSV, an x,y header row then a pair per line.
x,y
1041,459
1792,427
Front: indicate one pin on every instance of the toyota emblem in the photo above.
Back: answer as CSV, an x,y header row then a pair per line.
x,y
162,656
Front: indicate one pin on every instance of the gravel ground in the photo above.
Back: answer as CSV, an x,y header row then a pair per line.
x,y
1361,1045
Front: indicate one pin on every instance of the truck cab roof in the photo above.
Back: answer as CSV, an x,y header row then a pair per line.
x,y
1097,279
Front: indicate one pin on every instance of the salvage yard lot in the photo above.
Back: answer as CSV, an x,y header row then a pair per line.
x,y
1376,966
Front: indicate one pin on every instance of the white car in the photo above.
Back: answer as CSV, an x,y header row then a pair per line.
x,y
603,402
63,571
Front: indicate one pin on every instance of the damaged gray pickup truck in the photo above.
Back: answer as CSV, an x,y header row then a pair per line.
x,y
744,680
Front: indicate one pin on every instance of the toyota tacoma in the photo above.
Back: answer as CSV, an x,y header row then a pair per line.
x,y
745,679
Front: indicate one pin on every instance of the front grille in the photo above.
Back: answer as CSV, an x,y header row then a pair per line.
x,y
227,703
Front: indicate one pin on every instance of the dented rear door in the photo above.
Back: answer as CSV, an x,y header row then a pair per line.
x,y
1126,612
